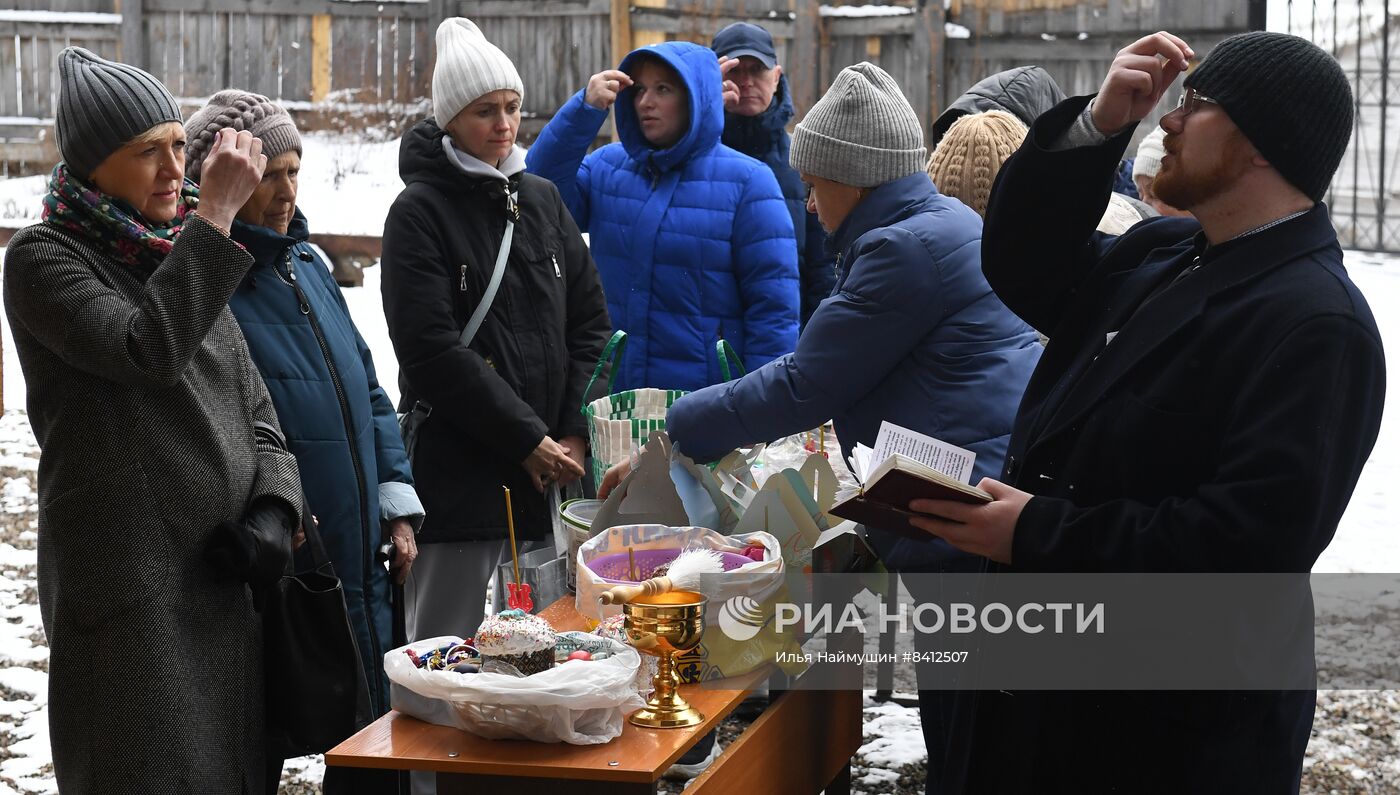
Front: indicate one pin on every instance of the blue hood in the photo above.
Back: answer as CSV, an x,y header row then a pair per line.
x,y
699,70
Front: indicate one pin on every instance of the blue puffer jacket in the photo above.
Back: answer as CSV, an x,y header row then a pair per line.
x,y
324,397
913,334
765,137
693,243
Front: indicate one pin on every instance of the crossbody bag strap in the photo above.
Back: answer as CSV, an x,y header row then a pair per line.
x,y
479,315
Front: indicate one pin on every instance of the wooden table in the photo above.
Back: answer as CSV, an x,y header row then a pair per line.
x,y
801,744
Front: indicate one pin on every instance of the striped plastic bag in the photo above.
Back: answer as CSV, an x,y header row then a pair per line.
x,y
621,422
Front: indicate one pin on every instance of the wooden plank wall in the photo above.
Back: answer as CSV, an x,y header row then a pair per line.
x,y
383,52
1076,42
378,52
28,56
101,6
556,44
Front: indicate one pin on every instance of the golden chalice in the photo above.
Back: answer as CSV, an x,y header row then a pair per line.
x,y
664,625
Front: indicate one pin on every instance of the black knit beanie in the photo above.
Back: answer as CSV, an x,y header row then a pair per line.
x,y
1290,99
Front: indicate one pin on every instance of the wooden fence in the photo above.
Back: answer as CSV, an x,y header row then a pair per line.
x,y
339,53
1076,41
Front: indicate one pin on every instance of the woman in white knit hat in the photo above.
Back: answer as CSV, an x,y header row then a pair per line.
x,y
502,407
1145,167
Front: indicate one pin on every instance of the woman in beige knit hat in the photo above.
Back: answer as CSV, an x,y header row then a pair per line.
x,y
967,159
966,162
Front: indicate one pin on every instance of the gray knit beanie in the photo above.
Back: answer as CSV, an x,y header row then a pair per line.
x,y
862,132
102,105
468,67
238,110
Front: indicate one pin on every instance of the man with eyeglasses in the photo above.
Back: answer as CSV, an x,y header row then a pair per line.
x,y
1211,390
757,108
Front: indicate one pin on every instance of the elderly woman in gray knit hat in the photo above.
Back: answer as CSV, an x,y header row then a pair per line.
x,y
338,420
167,498
912,334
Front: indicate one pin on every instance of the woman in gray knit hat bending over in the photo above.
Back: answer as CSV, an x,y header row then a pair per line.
x,y
167,499
912,334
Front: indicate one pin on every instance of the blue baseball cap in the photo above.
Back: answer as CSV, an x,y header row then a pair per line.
x,y
743,38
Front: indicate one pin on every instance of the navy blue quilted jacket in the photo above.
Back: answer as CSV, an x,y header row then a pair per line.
x,y
913,334
693,243
339,422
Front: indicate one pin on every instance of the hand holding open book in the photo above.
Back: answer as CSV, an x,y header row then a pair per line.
x,y
906,466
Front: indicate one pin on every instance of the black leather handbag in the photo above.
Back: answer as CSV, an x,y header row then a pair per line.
x,y
317,693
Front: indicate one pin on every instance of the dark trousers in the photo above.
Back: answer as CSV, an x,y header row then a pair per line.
x,y
941,704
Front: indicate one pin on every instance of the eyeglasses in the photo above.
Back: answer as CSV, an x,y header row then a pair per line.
x,y
1190,102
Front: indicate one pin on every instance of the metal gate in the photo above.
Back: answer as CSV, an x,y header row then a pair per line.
x,y
1362,35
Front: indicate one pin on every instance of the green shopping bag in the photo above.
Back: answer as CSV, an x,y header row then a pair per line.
x,y
623,421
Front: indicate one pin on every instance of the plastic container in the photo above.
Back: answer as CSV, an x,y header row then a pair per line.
x,y
576,518
613,567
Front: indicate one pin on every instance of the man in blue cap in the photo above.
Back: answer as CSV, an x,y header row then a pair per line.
x,y
758,106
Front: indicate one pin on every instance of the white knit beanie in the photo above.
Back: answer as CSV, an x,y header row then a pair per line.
x,y
1149,155
468,67
862,132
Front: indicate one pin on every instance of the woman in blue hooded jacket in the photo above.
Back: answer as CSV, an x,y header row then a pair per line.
x,y
692,239
339,422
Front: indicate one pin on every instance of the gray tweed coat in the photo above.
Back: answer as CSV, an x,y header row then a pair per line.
x,y
143,396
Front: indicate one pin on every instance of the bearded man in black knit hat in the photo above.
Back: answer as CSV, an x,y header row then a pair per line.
x,y
1211,389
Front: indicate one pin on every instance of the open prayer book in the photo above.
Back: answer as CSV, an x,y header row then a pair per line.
x,y
906,466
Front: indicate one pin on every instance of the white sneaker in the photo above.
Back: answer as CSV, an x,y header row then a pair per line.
x,y
684,769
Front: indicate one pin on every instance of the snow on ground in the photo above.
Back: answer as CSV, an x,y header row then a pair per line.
x,y
348,183
60,17
347,186
865,11
368,310
1367,539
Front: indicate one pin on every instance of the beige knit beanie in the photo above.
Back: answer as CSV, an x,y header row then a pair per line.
x,y
862,132
967,160
468,67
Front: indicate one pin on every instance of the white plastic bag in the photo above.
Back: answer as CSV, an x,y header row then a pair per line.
x,y
757,580
583,702
747,594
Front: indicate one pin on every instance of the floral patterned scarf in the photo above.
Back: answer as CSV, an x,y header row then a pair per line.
x,y
113,223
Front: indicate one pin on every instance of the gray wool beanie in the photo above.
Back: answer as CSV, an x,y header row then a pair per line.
x,y
862,132
238,110
102,105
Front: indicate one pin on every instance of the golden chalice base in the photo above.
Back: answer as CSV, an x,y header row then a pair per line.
x,y
664,625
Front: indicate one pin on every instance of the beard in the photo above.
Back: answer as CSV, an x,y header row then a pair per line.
x,y
1185,185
